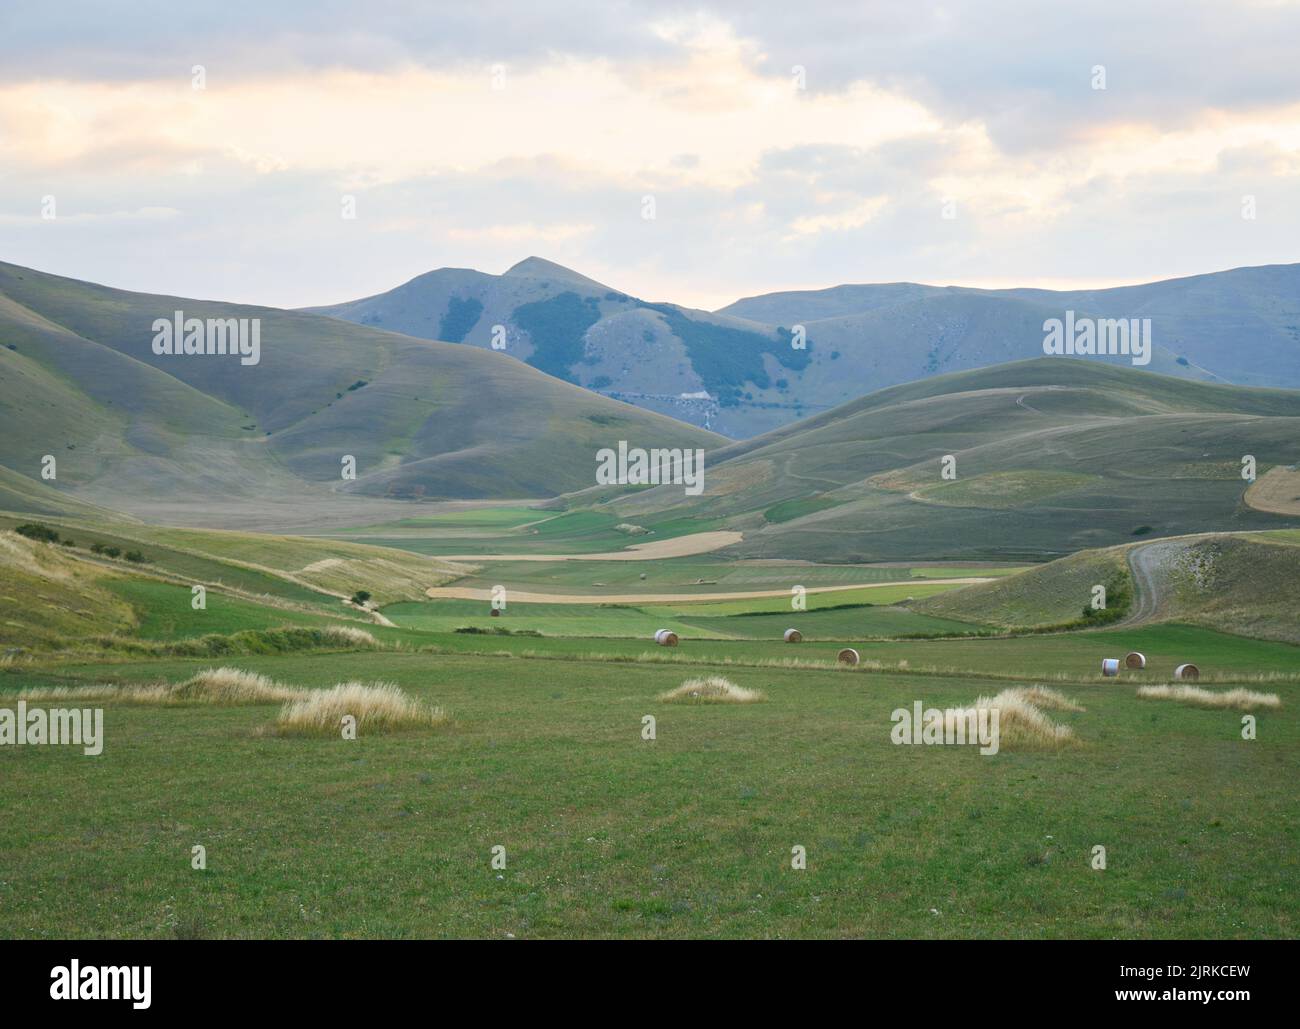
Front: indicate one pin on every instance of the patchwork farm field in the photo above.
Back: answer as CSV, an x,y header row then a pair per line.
x,y
607,834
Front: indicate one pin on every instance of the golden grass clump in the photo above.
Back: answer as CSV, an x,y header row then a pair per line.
x,y
713,689
226,686
233,686
1241,699
351,635
1046,697
377,707
1021,722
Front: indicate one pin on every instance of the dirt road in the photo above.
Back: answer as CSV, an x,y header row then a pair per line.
x,y
523,597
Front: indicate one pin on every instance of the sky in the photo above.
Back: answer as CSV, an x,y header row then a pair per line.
x,y
292,154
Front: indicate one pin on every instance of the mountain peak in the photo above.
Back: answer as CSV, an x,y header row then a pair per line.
x,y
540,268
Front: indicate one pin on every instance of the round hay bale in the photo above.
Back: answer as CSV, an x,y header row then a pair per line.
x,y
496,612
793,636
848,656
1134,659
1110,666
1187,672
666,638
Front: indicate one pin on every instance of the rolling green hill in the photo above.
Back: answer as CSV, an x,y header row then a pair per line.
x,y
1051,456
192,438
734,371
60,594
1243,584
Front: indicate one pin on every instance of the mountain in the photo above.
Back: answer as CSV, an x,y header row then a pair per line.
x,y
726,374
1050,456
736,370
201,438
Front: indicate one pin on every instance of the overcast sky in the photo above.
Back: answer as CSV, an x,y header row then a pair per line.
x,y
785,144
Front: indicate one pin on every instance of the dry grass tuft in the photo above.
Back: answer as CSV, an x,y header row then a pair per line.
x,y
1048,698
351,635
1241,699
711,690
226,686
377,707
1021,722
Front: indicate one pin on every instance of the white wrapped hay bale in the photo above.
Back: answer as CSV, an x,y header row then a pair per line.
x,y
666,638
1110,666
1187,673
793,636
848,656
1135,659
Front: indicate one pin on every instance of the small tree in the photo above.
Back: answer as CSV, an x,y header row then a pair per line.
x,y
360,597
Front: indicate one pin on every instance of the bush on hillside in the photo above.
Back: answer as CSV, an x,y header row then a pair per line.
x,y
37,531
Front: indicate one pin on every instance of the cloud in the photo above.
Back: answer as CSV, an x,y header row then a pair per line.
x,y
759,184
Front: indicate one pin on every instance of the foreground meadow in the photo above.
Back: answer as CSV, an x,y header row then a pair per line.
x,y
691,834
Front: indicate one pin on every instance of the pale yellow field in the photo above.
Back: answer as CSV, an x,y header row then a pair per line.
x,y
678,546
522,597
1276,491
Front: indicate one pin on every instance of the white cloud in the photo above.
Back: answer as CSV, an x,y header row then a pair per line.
x,y
758,184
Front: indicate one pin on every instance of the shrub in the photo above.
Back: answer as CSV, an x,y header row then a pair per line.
x,y
37,531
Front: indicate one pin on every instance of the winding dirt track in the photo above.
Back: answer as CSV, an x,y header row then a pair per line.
x,y
1143,562
520,596
1145,565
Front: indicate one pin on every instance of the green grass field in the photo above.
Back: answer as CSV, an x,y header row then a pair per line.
x,y
729,620
606,834
165,612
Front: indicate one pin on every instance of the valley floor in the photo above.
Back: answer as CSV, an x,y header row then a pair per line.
x,y
605,829
607,834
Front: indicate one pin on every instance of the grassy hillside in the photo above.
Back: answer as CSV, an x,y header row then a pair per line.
x,y
1240,584
151,433
1053,594
1051,456
63,594
1248,585
48,597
